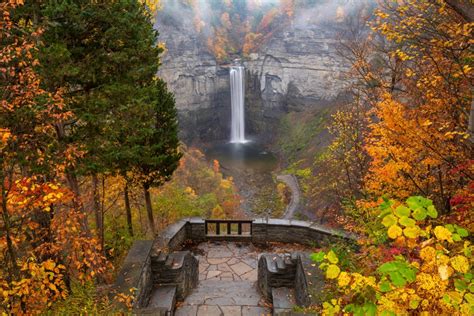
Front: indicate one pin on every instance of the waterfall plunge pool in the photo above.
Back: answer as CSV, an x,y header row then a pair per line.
x,y
252,167
243,157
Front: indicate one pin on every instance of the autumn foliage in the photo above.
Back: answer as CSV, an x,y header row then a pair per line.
x,y
405,137
242,27
45,241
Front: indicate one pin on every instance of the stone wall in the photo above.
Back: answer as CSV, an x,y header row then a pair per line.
x,y
294,271
179,268
136,273
308,277
295,231
159,262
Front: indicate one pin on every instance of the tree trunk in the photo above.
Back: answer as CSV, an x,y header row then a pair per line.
x,y
149,209
128,209
97,210
74,186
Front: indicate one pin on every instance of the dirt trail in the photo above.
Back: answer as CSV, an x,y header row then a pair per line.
x,y
291,181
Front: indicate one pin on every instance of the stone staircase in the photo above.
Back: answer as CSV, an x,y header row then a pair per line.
x,y
277,274
174,275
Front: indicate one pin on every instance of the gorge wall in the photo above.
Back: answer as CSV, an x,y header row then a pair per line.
x,y
296,69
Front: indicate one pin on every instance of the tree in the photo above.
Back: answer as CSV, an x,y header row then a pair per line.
x,y
418,135
102,56
44,243
158,145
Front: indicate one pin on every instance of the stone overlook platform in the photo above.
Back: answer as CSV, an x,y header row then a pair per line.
x,y
226,267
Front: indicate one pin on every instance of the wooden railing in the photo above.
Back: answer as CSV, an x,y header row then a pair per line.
x,y
223,228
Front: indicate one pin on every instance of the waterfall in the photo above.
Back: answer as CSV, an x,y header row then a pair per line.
x,y
237,93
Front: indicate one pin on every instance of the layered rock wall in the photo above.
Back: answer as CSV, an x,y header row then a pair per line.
x,y
296,69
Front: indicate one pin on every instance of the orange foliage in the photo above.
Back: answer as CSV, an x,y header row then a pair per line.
x,y
44,242
420,135
238,32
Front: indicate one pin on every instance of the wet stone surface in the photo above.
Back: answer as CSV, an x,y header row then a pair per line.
x,y
227,282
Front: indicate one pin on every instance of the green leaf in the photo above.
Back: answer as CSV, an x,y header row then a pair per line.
x,y
420,214
332,257
450,227
317,257
387,204
387,267
468,276
414,304
446,299
397,279
431,211
387,313
370,309
460,285
408,273
401,211
407,222
385,286
456,237
462,232
413,202
389,220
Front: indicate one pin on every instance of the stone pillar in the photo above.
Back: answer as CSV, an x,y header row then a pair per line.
x,y
260,231
196,229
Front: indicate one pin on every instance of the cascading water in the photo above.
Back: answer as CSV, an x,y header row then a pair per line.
x,y
237,92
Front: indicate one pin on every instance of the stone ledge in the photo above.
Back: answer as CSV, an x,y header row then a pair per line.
x,y
136,273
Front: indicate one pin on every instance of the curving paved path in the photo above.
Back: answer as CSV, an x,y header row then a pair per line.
x,y
291,181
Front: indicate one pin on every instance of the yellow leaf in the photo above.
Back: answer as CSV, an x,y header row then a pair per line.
x,y
344,279
332,257
394,231
442,233
460,264
428,253
333,271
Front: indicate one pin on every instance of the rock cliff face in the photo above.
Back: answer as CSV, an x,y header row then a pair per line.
x,y
200,85
296,69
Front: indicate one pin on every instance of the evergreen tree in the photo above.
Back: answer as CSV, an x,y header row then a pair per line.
x,y
158,153
104,57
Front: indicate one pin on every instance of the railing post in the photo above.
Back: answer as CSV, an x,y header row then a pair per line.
x,y
239,231
229,230
218,228
205,227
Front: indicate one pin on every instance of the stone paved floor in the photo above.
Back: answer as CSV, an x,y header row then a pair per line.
x,y
227,282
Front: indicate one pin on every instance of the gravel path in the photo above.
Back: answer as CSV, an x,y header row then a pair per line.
x,y
291,181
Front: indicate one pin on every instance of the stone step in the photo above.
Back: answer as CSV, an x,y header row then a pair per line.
x,y
162,301
278,263
283,300
226,293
